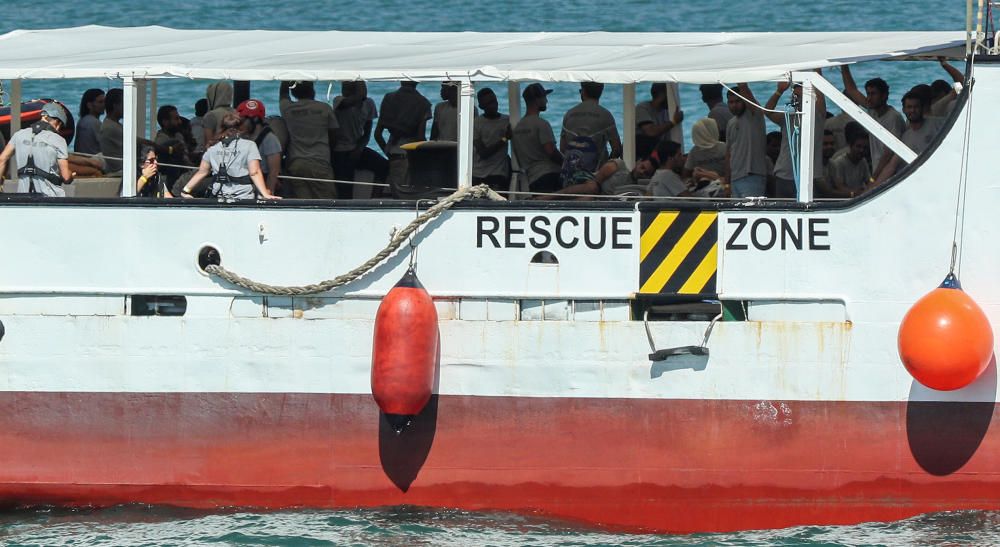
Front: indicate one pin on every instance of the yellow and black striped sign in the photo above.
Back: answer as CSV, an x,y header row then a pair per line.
x,y
678,252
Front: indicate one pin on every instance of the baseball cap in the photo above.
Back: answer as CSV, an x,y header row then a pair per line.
x,y
251,108
55,111
534,91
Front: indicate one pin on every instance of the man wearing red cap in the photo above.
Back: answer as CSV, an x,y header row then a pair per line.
x,y
253,112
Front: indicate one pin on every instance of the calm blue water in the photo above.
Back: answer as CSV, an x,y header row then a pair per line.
x,y
139,525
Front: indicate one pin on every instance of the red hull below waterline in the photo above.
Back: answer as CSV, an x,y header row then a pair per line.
x,y
628,464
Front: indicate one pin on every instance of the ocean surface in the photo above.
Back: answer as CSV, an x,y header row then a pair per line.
x,y
152,526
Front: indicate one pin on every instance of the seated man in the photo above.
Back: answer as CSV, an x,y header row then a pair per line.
x,y
612,178
849,171
666,182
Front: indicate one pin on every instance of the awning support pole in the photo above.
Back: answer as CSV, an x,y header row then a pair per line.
x,y
15,120
130,129
673,105
628,124
514,109
140,108
466,116
847,105
807,140
153,107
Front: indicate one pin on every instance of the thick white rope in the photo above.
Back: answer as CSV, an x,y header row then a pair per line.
x,y
398,238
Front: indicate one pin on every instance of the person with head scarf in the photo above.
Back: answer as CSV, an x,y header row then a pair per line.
x,y
220,103
708,152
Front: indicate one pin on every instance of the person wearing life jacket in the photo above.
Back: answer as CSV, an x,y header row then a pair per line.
x,y
252,113
234,166
41,155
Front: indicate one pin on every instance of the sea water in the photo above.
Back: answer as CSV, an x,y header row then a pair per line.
x,y
141,525
152,526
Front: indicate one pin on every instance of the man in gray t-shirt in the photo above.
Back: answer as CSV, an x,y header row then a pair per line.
x,y
920,132
718,110
875,101
591,120
534,143
41,155
445,124
746,144
312,129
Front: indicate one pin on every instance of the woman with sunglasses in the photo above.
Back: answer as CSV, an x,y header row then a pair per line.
x,y
150,184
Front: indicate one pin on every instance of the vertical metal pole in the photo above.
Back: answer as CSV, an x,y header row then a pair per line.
x,y
130,130
140,92
15,120
673,105
628,124
466,116
514,108
153,107
807,142
968,27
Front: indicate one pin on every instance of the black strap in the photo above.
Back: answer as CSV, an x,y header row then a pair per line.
x,y
263,134
31,170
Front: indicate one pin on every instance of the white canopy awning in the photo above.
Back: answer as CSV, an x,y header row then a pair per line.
x,y
611,57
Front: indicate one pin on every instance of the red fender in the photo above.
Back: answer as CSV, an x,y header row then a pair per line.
x,y
404,351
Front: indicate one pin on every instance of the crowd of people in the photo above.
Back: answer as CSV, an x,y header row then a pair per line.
x,y
315,150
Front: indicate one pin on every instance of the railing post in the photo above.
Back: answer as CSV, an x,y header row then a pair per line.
x,y
15,120
807,141
466,117
628,124
129,131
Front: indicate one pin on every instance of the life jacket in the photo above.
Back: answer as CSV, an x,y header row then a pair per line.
x,y
30,170
222,176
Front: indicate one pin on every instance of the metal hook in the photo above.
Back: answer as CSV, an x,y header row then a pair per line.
x,y
413,235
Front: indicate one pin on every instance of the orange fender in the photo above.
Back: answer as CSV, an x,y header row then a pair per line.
x,y
945,340
404,351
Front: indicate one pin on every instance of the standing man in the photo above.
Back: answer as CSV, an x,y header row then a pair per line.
x,y
355,113
711,95
876,101
170,147
112,132
404,113
42,156
534,143
445,124
312,129
490,134
746,152
920,132
587,131
785,185
653,121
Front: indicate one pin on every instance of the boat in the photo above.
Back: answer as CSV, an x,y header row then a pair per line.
x,y
30,112
675,365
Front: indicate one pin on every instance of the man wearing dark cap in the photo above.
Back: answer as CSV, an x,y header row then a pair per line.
x,y
42,156
534,143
